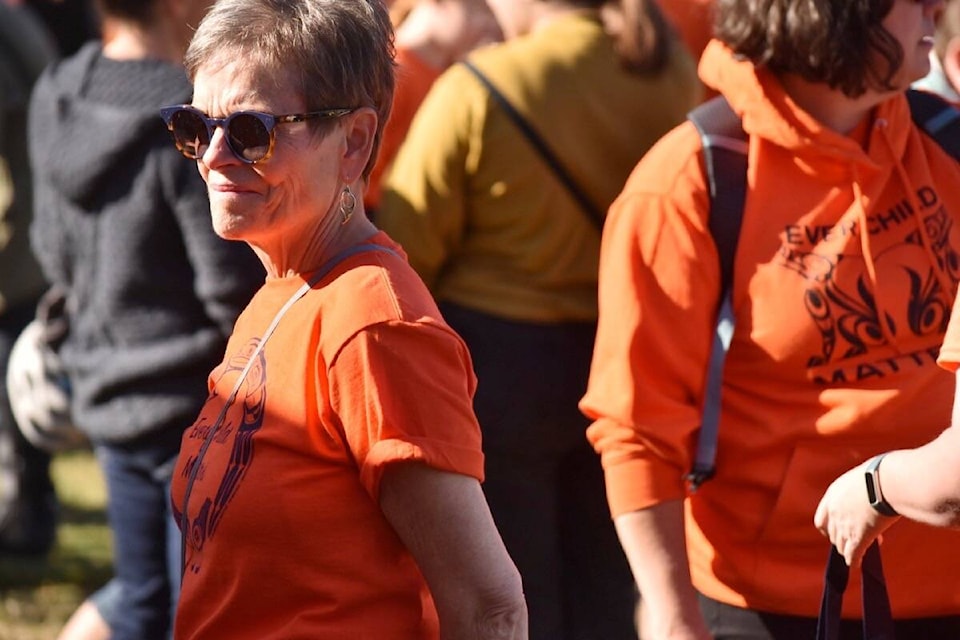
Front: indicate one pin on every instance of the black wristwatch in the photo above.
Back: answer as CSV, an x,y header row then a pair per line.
x,y
874,494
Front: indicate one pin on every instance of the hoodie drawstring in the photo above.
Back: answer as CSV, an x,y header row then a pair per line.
x,y
925,240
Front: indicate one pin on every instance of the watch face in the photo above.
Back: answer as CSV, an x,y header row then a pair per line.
x,y
871,490
874,496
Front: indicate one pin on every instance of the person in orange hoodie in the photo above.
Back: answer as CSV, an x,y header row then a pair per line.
x,y
842,285
845,514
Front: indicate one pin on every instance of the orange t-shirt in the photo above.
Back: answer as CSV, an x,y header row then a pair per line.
x,y
286,538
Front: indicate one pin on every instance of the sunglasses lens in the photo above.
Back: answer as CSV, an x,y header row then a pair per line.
x,y
190,133
248,136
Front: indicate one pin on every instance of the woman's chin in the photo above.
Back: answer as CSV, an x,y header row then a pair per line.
x,y
229,228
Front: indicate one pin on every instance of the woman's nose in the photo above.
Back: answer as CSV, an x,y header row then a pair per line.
x,y
218,152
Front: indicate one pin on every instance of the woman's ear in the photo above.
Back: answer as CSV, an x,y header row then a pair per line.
x,y
360,127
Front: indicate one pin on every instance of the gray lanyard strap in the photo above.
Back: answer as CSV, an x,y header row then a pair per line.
x,y
704,464
299,293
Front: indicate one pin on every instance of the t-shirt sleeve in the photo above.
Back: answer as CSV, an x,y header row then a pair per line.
x,y
403,391
950,350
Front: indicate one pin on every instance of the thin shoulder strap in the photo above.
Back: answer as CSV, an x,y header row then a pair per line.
x,y
724,144
596,216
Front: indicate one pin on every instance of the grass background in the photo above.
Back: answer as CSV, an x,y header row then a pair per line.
x,y
37,595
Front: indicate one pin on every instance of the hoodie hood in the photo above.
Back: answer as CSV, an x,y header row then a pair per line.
x,y
82,137
769,113
872,203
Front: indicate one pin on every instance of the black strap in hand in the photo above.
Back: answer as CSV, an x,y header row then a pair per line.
x,y
877,618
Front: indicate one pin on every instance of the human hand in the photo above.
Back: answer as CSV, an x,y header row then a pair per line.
x,y
845,516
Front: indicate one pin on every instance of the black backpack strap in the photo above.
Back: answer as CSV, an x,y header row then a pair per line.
x,y
724,145
595,215
725,160
938,118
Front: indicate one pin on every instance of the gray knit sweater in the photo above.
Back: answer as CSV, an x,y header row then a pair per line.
x,y
122,221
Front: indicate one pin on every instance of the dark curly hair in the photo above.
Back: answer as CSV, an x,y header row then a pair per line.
x,y
838,42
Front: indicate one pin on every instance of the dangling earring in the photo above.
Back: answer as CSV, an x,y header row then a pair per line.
x,y
348,202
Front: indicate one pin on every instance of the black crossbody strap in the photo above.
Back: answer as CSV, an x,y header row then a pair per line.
x,y
596,216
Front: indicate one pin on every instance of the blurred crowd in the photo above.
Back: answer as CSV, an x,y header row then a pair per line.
x,y
480,417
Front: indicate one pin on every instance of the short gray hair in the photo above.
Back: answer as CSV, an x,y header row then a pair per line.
x,y
342,50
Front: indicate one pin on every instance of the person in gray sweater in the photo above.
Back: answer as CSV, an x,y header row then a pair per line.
x,y
122,223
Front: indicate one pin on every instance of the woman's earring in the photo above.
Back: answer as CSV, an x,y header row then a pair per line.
x,y
348,202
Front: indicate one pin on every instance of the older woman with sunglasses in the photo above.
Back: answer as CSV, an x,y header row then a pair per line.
x,y
330,487
122,226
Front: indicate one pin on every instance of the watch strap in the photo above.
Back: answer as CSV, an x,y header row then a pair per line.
x,y
874,492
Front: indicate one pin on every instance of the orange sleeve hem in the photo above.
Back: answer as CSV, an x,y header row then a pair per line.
x,y
445,457
638,483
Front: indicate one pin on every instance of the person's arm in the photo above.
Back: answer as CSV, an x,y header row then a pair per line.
x,y
659,282
921,484
653,540
444,521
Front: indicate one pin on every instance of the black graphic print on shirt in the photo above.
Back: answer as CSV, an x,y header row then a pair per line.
x,y
884,312
240,422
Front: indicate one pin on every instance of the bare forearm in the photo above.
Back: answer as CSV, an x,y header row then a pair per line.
x,y
653,540
444,520
923,484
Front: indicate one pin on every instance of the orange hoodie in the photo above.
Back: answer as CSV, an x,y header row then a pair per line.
x,y
845,274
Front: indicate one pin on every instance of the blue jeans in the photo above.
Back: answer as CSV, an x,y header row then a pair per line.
x,y
544,482
140,601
